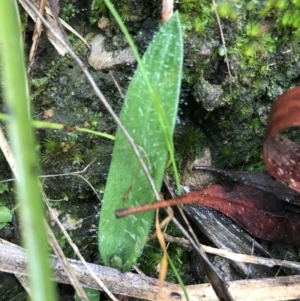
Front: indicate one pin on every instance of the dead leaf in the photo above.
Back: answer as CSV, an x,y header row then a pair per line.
x,y
281,155
258,212
262,180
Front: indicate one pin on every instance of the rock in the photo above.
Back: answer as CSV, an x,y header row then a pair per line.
x,y
209,95
103,23
101,59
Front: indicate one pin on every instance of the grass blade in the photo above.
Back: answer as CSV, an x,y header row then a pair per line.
x,y
23,142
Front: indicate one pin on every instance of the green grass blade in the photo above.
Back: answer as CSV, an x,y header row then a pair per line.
x,y
178,278
23,143
121,241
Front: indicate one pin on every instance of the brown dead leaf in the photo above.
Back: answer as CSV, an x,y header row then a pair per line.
x,y
281,155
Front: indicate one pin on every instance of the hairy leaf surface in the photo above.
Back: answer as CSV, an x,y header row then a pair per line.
x,y
121,240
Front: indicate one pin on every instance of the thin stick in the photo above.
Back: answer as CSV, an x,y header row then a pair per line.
x,y
269,262
223,41
113,76
67,267
74,173
153,206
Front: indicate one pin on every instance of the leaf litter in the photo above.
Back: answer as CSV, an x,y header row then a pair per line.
x,y
258,201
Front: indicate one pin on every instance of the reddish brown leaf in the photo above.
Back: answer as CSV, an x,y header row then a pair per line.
x,y
258,212
281,155
259,179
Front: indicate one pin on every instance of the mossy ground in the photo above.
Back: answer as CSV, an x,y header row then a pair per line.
x,y
261,40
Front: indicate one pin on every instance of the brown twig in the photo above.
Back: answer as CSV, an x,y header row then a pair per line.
x,y
157,205
36,35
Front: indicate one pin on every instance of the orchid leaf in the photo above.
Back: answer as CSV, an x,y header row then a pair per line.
x,y
122,240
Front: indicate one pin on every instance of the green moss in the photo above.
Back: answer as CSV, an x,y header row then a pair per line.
x,y
200,25
254,161
273,6
245,110
261,29
196,15
188,144
228,154
253,46
187,5
125,12
254,30
226,10
68,11
98,7
77,159
57,152
254,125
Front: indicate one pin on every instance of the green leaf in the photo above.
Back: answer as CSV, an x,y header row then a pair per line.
x,y
93,295
3,187
5,216
121,241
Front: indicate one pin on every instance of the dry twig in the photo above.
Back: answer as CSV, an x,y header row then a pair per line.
x,y
13,260
36,35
